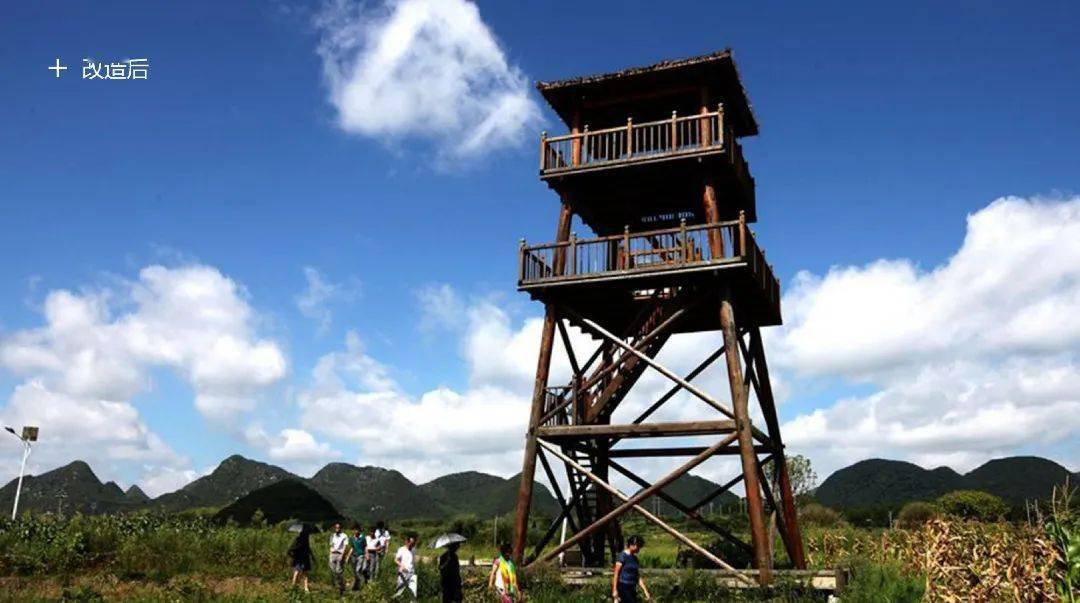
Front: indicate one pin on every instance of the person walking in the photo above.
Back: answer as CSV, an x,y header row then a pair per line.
x,y
382,535
301,557
339,541
406,567
503,576
627,575
357,557
450,574
372,554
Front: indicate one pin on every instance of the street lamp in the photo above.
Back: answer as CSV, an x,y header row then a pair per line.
x,y
29,435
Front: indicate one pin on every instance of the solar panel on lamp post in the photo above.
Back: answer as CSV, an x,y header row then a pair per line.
x,y
29,434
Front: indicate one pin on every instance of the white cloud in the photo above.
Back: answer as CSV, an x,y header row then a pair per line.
x,y
354,398
296,448
319,293
101,432
973,359
98,348
441,307
428,69
191,319
156,481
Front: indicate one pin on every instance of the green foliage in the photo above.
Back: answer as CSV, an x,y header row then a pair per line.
x,y
81,594
467,525
801,475
1063,528
885,583
818,515
973,504
915,514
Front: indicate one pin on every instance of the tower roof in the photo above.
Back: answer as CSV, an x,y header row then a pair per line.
x,y
716,71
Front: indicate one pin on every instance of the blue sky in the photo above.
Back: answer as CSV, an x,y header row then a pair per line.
x,y
884,126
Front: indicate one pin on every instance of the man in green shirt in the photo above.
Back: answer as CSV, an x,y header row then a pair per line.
x,y
357,556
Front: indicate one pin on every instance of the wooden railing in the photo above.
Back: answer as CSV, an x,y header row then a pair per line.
x,y
649,251
635,141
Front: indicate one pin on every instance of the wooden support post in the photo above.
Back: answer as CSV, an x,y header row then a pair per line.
x,y
793,537
741,403
712,216
543,368
528,470
562,233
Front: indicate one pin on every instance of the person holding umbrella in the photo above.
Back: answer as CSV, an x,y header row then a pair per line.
x,y
300,555
450,567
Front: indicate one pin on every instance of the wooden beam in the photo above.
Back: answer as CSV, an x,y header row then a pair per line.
x,y
632,430
792,535
564,506
678,387
637,507
691,513
592,326
740,402
677,451
569,348
543,368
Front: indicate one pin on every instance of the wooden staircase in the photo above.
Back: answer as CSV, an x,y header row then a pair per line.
x,y
619,370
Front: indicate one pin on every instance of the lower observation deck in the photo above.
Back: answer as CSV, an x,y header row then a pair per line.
x,y
610,278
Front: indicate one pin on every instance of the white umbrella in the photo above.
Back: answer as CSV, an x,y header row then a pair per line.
x,y
446,539
298,527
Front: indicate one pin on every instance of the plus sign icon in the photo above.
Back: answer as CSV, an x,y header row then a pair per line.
x,y
57,68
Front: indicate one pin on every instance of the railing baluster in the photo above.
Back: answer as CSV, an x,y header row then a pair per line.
x,y
573,253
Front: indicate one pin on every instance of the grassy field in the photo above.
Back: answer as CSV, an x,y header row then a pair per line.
x,y
157,558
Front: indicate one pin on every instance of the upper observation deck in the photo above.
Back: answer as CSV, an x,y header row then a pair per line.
x,y
642,141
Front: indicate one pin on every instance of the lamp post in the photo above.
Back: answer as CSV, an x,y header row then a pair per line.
x,y
29,434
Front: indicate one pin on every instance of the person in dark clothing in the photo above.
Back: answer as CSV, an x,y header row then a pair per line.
x,y
301,557
627,577
450,574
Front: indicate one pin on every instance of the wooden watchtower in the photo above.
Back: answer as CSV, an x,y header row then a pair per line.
x,y
653,165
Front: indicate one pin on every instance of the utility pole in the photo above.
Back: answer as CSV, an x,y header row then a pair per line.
x,y
29,434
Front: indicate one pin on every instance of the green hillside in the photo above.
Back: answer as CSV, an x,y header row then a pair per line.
x,y
233,478
483,495
884,483
285,499
373,493
73,487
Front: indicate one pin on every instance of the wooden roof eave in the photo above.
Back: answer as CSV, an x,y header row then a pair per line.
x,y
563,95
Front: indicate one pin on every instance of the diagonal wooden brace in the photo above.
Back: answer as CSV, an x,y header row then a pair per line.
x,y
632,502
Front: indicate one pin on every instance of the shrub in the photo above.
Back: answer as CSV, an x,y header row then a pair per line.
x,y
466,525
973,504
819,515
915,514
